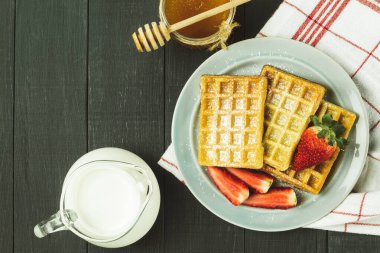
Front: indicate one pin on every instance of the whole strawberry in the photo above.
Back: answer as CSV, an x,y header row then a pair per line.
x,y
318,143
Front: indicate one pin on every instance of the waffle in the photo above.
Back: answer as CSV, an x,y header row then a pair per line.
x,y
290,103
231,121
312,179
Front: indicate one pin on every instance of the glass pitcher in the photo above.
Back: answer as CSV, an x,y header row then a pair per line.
x,y
101,201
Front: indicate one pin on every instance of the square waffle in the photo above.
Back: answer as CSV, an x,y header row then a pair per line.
x,y
232,121
290,103
312,179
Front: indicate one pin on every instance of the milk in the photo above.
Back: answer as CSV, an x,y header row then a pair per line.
x,y
106,198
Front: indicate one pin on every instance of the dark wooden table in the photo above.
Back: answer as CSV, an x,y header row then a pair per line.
x,y
71,81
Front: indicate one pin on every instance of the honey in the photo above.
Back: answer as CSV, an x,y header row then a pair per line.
x,y
178,10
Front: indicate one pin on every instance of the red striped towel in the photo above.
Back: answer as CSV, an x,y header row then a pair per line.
x,y
348,31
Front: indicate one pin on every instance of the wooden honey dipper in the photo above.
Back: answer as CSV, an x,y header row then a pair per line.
x,y
159,33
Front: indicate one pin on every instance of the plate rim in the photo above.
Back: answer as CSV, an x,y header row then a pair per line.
x,y
307,47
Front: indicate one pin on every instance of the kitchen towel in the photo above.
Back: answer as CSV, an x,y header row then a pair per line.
x,y
349,32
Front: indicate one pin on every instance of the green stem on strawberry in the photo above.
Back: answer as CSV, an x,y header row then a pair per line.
x,y
331,129
319,142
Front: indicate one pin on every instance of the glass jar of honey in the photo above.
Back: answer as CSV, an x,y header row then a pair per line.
x,y
201,34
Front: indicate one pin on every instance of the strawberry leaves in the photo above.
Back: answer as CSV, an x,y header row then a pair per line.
x,y
341,142
332,130
327,120
323,133
315,120
338,129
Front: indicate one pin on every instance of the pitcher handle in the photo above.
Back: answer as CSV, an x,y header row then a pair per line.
x,y
57,222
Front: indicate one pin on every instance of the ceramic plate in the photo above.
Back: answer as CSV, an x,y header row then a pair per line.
x,y
247,58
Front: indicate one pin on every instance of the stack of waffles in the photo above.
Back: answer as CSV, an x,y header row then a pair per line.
x,y
256,122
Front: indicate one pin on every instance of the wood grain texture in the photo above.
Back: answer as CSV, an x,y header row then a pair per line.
x,y
294,241
126,94
50,114
352,243
190,227
65,98
258,13
6,123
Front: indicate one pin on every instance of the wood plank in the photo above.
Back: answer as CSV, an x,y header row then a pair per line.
x,y
258,13
293,241
50,114
126,93
190,227
6,123
347,243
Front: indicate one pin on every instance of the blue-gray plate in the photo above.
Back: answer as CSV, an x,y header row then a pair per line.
x,y
247,58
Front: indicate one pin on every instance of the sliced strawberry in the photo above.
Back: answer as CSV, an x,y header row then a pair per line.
x,y
318,143
275,198
235,190
258,181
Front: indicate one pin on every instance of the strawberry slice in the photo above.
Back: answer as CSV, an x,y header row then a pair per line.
x,y
318,143
258,181
275,198
235,190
